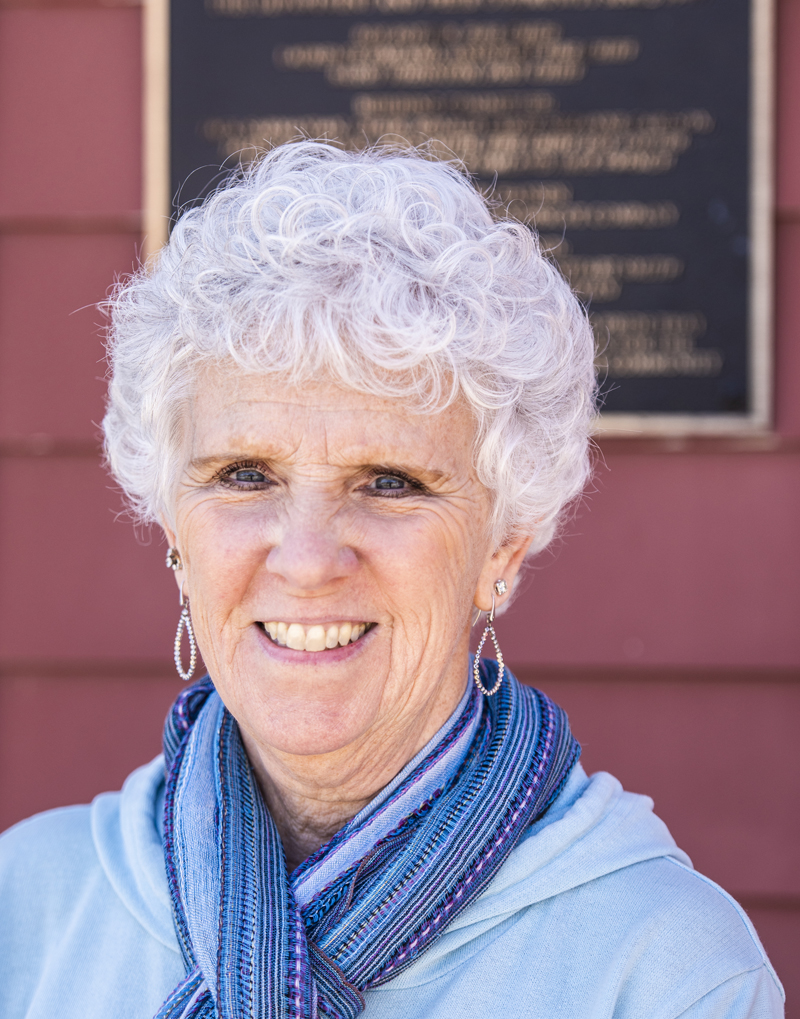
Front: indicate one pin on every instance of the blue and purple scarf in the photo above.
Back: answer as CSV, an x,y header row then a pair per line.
x,y
260,943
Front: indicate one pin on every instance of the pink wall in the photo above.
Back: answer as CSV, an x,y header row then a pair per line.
x,y
673,560
666,621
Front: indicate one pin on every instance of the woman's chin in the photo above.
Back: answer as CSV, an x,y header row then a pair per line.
x,y
305,702
308,728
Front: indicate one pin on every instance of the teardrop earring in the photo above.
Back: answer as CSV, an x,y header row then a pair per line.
x,y
184,623
500,588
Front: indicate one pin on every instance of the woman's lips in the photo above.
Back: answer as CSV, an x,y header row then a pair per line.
x,y
316,637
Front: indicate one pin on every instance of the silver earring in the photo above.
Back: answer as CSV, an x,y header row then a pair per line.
x,y
500,587
184,623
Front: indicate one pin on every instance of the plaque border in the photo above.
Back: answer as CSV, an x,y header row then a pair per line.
x,y
155,127
759,420
760,326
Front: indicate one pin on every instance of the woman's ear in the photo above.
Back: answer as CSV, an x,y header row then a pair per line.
x,y
503,565
169,534
172,541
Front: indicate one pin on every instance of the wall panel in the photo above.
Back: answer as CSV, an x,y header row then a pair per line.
x,y
64,739
671,560
51,350
69,118
787,322
788,105
96,592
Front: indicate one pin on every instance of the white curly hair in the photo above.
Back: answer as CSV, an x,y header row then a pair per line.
x,y
385,271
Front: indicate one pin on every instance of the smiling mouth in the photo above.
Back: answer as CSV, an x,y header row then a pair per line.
x,y
315,638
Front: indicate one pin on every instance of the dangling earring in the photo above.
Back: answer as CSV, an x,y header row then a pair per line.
x,y
500,587
184,623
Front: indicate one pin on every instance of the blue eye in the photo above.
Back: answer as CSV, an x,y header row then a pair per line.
x,y
389,483
249,476
245,476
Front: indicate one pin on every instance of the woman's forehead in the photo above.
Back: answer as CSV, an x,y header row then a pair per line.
x,y
260,415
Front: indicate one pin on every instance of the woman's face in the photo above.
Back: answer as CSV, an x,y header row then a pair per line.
x,y
307,516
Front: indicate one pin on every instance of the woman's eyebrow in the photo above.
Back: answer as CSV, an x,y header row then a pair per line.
x,y
413,470
404,467
215,459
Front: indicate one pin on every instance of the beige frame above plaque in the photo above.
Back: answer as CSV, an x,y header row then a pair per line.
x,y
155,127
758,421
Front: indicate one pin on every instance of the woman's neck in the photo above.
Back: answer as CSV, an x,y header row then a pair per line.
x,y
311,797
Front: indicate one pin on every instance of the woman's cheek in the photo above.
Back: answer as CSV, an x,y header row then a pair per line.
x,y
224,548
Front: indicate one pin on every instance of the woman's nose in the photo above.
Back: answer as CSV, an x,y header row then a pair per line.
x,y
310,556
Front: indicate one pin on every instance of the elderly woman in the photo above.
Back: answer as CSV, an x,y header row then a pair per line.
x,y
356,403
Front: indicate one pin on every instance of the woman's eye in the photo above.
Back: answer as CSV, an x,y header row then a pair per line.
x,y
388,483
245,477
248,476
393,486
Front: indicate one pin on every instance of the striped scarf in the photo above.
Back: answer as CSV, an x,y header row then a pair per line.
x,y
259,943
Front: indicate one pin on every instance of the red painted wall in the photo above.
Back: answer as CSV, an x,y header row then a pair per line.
x,y
665,621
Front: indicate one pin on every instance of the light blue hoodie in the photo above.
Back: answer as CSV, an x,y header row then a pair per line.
x,y
596,914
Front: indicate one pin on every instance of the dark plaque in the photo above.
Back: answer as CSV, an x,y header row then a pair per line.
x,y
633,134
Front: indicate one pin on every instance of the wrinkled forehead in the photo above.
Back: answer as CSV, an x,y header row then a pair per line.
x,y
237,414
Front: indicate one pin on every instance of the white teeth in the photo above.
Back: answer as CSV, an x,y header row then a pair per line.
x,y
296,637
314,638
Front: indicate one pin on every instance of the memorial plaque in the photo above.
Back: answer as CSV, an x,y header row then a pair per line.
x,y
634,135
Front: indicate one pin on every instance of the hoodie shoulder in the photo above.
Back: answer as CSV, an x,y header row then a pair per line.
x,y
679,938
70,944
48,858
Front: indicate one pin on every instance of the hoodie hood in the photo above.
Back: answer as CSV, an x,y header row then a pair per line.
x,y
126,830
